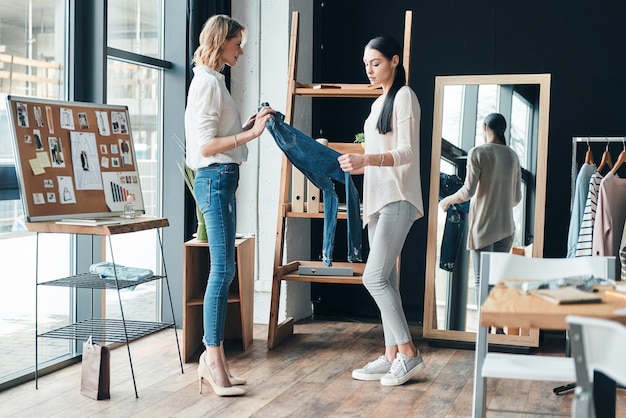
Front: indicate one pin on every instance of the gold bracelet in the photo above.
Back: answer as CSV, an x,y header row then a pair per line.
x,y
382,159
236,145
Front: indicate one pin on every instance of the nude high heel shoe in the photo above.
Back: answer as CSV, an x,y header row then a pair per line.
x,y
205,373
234,380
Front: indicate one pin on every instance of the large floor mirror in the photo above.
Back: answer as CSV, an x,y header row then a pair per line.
x,y
461,103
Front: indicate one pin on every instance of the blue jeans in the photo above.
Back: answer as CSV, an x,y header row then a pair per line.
x,y
455,226
319,164
214,190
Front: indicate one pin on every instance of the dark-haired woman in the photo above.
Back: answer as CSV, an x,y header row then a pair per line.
x,y
392,201
493,179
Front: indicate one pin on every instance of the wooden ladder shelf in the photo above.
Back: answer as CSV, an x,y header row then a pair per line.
x,y
294,204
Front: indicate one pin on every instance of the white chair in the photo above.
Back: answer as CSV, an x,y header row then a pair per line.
x,y
497,266
597,345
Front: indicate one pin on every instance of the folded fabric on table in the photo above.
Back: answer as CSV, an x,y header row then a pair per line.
x,y
584,282
107,270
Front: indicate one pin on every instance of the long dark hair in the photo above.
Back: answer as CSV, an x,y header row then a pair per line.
x,y
389,47
497,123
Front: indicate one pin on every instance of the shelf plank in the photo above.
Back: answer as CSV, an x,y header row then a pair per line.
x,y
200,302
105,330
288,213
195,243
347,147
290,272
337,90
323,279
94,281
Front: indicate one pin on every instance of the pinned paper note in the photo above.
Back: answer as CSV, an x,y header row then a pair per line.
x,y
66,190
44,160
35,165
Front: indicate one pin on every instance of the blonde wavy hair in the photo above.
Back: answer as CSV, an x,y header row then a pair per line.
x,y
217,30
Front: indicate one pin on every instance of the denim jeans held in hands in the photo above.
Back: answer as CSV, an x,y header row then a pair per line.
x,y
319,164
214,190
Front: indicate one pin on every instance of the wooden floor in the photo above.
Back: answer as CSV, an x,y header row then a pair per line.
x,y
307,376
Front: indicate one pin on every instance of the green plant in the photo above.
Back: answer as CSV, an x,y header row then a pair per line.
x,y
359,138
189,176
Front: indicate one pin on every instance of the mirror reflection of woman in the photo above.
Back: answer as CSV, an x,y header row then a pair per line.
x,y
494,184
392,201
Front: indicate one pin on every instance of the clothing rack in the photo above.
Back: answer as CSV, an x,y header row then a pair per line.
x,y
577,140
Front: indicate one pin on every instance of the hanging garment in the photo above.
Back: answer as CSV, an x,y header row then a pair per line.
x,y
581,191
319,164
585,234
610,218
456,220
622,254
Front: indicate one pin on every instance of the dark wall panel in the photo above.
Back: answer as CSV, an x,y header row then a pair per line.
x,y
579,43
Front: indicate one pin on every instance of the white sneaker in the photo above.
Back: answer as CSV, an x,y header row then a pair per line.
x,y
402,369
374,370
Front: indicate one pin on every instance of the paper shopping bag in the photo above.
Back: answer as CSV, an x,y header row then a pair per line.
x,y
95,377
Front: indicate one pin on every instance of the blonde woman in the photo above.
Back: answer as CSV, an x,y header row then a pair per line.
x,y
215,147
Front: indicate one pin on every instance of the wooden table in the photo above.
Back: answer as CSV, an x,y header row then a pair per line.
x,y
509,307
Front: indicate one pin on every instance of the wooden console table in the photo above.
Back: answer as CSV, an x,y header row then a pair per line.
x,y
240,314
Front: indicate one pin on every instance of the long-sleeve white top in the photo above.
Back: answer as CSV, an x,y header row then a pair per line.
x,y
400,182
211,113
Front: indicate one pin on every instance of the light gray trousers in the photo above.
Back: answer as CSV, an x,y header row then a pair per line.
x,y
502,246
387,231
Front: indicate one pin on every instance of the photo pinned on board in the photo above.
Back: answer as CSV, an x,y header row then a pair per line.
x,y
22,114
67,118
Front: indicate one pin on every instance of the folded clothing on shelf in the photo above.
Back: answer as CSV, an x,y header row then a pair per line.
x,y
107,270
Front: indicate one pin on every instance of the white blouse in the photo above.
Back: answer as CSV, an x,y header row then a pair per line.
x,y
211,112
384,185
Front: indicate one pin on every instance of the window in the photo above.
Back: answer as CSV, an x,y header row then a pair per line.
x,y
134,79
34,54
32,63
135,26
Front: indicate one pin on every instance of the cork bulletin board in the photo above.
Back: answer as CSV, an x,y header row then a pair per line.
x,y
73,159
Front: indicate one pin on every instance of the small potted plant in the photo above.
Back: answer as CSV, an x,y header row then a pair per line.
x,y
360,139
189,176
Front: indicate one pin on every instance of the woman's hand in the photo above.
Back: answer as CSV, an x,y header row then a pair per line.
x,y
445,203
352,163
256,123
249,123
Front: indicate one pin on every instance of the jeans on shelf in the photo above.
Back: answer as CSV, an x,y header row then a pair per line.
x,y
319,164
214,190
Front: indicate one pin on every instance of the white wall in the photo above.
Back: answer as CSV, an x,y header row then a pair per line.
x,y
261,76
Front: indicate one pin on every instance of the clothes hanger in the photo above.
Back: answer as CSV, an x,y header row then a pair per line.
x,y
620,159
606,158
588,154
